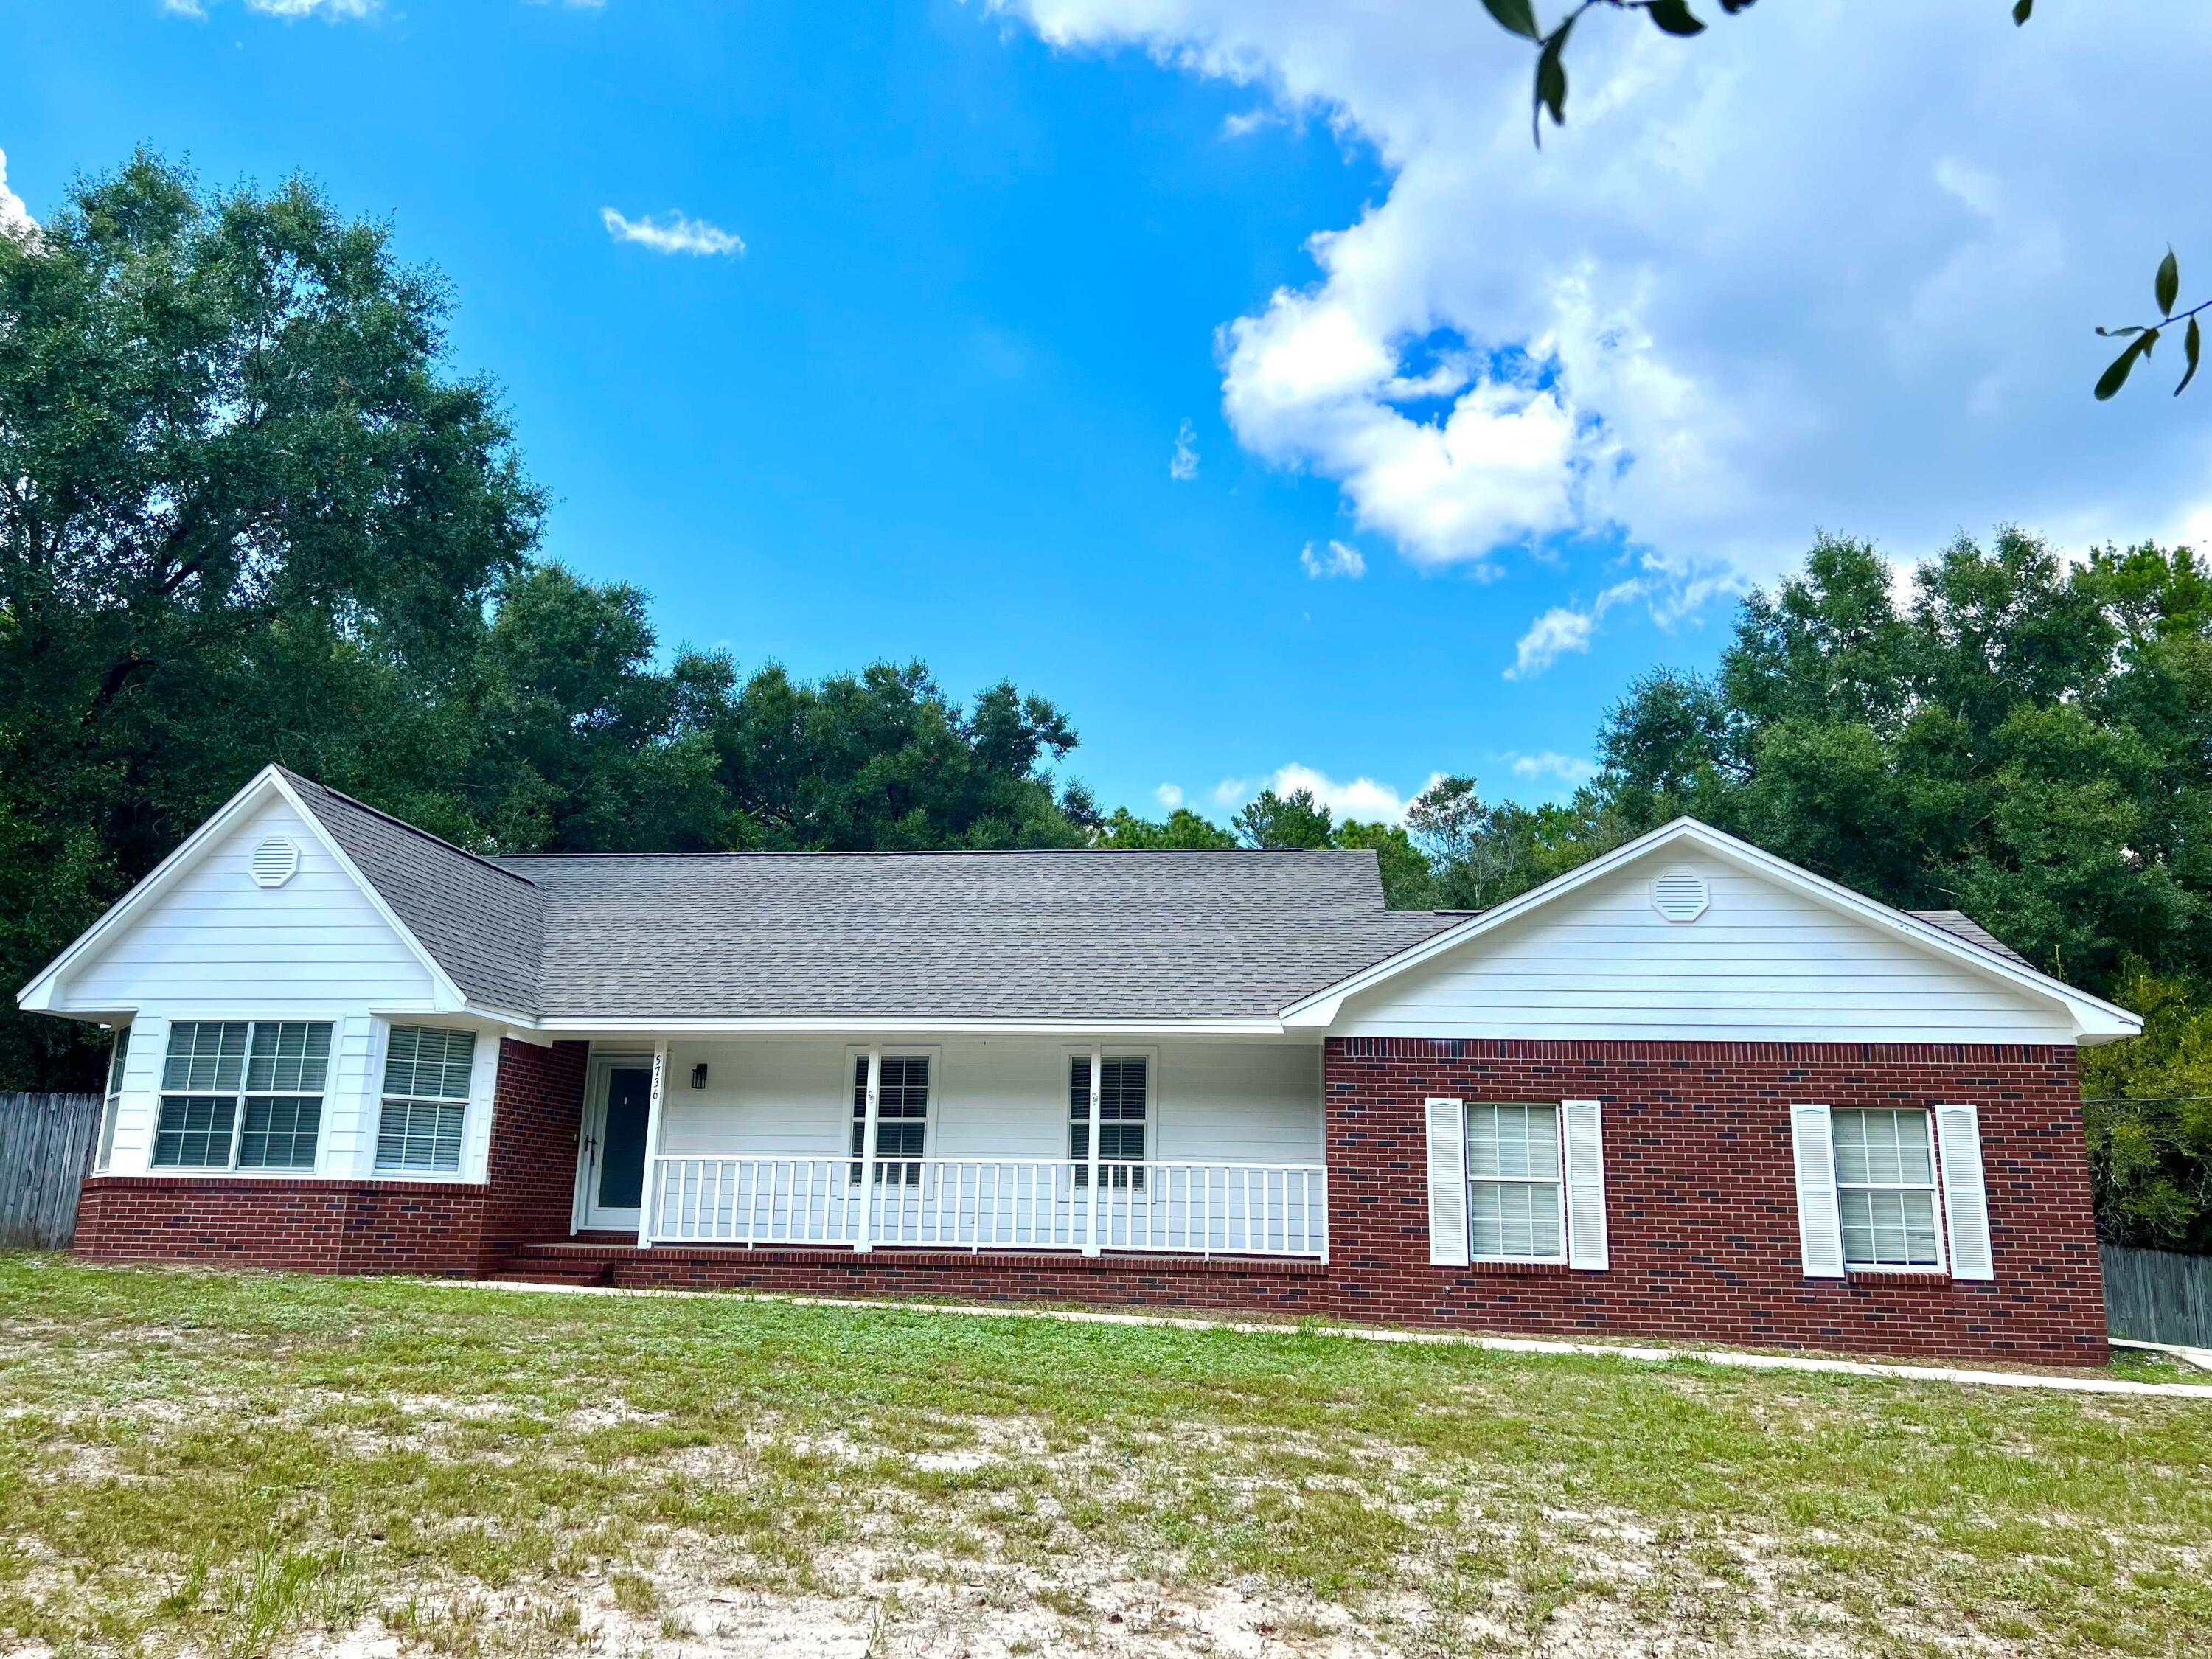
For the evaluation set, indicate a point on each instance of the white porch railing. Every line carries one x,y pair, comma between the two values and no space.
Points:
992,1204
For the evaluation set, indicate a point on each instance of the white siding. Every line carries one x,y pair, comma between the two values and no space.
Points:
216,944
1763,964
1249,1102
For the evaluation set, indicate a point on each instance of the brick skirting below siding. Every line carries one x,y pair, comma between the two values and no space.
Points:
286,1225
1288,1287
1701,1200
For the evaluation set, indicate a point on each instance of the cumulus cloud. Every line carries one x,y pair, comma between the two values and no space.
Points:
1337,559
1183,464
1832,264
673,234
1168,795
1568,770
14,218
1361,798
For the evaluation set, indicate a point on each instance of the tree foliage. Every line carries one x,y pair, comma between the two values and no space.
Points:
2026,740
247,514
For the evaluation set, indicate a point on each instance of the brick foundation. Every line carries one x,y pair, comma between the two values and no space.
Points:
1291,1288
297,1225
283,1225
1701,1200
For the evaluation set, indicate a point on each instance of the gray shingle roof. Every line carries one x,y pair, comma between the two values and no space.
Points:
484,926
1215,934
1225,934
1032,935
1959,924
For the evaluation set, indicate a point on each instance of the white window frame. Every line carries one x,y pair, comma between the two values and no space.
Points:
932,1107
1934,1187
111,1105
1470,1181
377,1095
1073,1052
239,1096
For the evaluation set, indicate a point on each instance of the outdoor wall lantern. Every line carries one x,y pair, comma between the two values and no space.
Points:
699,1075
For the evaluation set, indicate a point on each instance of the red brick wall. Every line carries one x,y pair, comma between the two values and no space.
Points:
292,1225
537,1116
1701,1200
1281,1287
355,1227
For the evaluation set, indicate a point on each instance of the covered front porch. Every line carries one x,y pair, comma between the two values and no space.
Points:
1187,1146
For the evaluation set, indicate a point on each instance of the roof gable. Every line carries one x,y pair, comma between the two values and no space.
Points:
1695,959
327,927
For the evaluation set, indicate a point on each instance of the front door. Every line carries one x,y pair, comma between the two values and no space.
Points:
612,1168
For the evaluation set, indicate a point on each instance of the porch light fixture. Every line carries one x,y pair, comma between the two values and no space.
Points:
699,1075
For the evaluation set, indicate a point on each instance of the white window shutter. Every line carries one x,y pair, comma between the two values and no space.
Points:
1820,1230
1965,1197
1584,1138
1447,1183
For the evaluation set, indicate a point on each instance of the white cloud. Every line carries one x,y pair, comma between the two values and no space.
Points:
1183,464
1832,264
1362,798
1568,770
1168,795
1245,123
674,234
1550,636
289,10
1338,559
14,218
1563,629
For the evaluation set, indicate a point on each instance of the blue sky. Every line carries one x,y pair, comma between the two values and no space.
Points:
1479,435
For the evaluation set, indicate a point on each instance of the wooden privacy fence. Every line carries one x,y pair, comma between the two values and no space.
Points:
46,1144
2154,1296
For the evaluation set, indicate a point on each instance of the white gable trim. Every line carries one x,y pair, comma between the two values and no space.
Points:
39,995
2094,1019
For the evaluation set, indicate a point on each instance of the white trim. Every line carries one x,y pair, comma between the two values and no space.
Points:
2095,1020
648,1191
592,1136
38,996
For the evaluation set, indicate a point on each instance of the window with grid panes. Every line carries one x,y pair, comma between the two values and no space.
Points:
1124,1107
902,1115
427,1072
242,1094
1884,1187
1513,1183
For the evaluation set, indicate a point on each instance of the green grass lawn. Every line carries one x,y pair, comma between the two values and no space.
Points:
277,1466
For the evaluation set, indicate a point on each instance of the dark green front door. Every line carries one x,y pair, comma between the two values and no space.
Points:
621,1137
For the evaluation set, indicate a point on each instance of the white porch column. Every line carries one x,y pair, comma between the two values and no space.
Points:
863,1236
1090,1245
648,1203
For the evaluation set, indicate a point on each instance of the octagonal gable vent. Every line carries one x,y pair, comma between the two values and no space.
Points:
1680,894
275,861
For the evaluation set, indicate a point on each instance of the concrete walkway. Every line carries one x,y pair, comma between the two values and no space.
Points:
2059,1383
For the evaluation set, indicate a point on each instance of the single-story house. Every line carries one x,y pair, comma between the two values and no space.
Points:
1688,1089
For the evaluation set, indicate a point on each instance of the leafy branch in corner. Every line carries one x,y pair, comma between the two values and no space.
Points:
2166,289
1519,17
